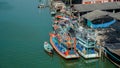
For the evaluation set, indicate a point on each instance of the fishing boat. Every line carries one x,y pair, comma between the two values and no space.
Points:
41,6
62,49
48,48
112,46
61,38
53,12
113,53
86,43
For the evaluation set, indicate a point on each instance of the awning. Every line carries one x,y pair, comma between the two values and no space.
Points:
102,6
94,14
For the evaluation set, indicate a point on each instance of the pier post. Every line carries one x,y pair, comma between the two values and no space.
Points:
113,11
100,51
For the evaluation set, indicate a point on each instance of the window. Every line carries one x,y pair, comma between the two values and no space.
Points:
98,2
88,2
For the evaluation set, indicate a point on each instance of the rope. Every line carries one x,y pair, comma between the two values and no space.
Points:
112,55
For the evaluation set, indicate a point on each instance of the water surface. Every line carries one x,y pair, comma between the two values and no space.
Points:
23,29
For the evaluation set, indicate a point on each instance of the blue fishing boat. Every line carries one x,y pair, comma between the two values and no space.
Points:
86,43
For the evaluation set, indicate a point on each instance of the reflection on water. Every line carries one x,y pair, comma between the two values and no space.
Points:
85,63
5,5
91,61
80,63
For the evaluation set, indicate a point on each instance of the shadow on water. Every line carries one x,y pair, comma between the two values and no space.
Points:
49,54
40,0
5,5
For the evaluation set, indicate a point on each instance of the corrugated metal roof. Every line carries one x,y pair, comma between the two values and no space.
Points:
115,15
94,14
102,6
118,3
98,13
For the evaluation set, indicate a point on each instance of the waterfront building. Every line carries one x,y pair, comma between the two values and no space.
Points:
89,1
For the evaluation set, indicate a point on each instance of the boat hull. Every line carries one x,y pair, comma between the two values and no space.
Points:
110,54
50,52
88,56
80,49
48,48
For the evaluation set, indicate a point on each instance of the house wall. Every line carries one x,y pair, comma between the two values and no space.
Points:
97,1
89,1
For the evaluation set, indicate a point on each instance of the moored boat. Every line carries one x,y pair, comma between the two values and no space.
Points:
53,12
112,48
86,52
48,48
86,44
62,49
111,43
113,54
42,6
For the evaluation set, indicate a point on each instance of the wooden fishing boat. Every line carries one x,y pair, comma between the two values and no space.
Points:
111,43
113,54
112,47
62,49
48,48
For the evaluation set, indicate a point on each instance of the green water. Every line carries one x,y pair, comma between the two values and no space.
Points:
23,29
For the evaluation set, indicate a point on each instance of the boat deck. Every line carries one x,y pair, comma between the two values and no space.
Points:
61,50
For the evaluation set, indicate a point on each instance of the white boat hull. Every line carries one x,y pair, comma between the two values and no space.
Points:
88,56
48,48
